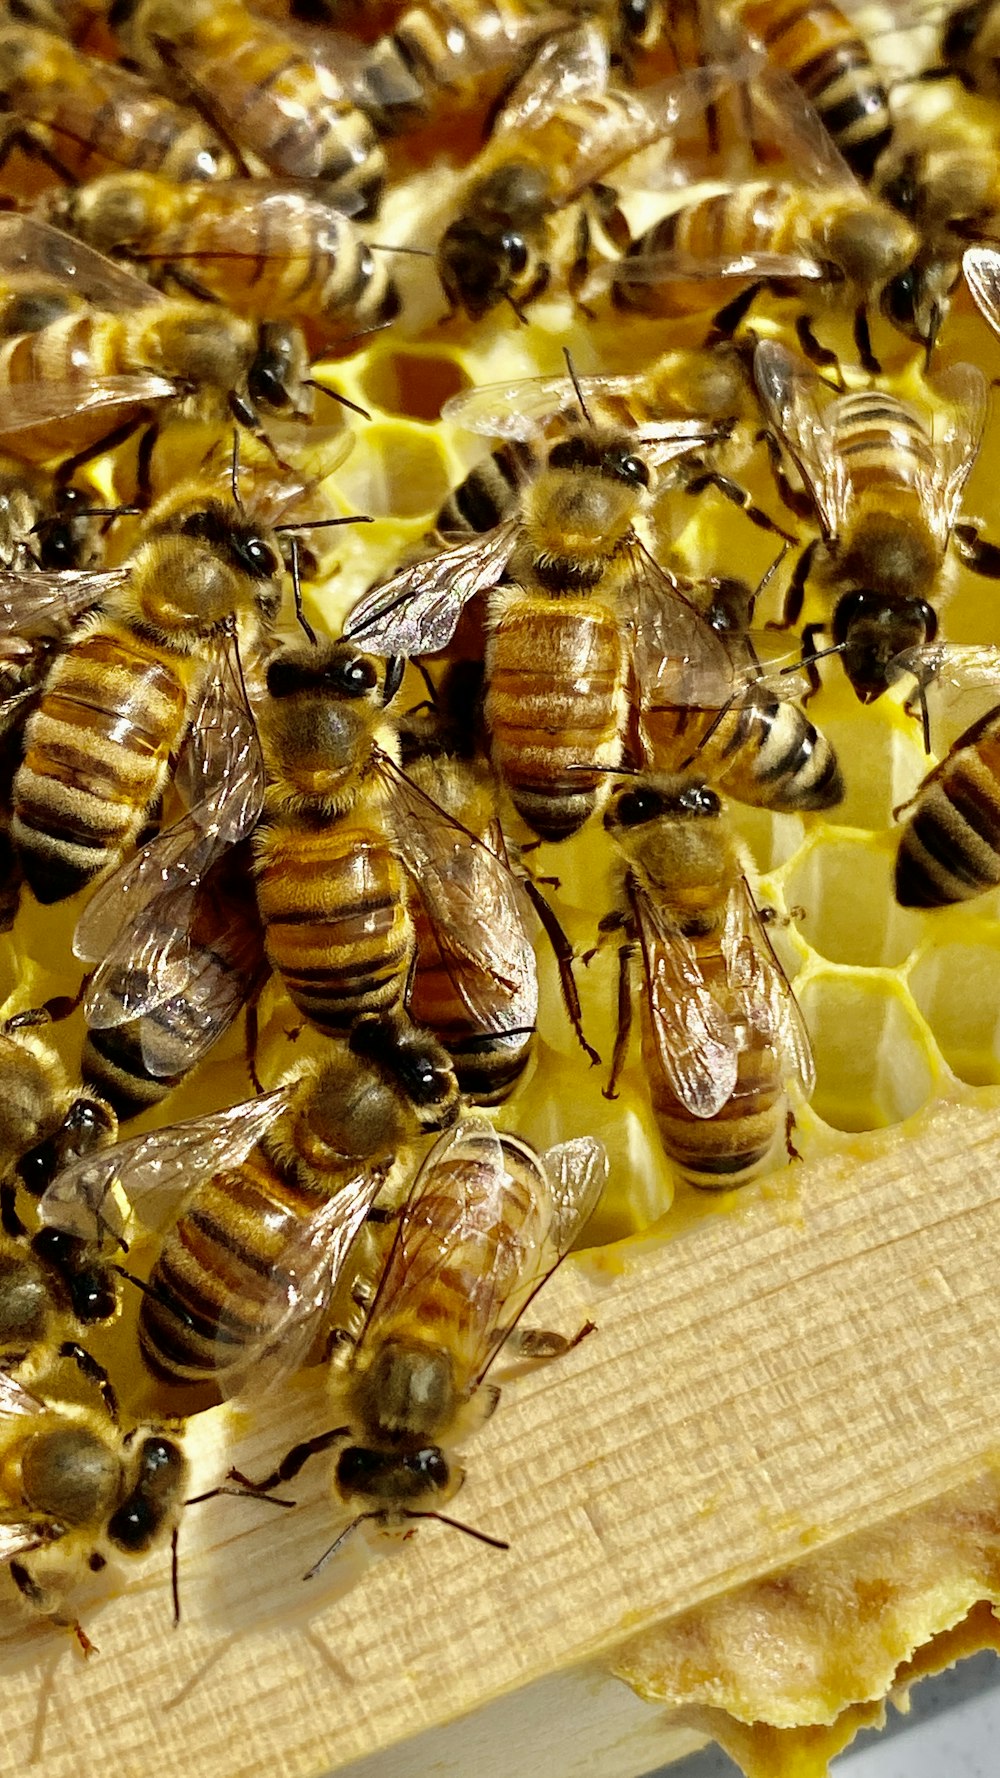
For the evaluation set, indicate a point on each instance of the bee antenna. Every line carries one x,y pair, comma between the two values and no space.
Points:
314,383
234,471
937,316
297,593
768,575
574,379
386,247
339,1542
175,1578
352,518
496,1543
820,654
515,305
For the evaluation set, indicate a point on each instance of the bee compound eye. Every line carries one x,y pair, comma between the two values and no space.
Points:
698,800
627,467
636,806
257,558
515,250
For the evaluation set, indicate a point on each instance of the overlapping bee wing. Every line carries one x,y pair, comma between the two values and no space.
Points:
16,1402
695,1040
957,437
417,610
570,65
28,244
789,391
761,987
678,657
153,1173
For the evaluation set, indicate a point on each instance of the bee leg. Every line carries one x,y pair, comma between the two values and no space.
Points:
795,596
50,1012
611,216
740,496
863,341
624,1031
251,1035
797,500
725,323
29,1588
579,268
982,558
793,1153
816,354
606,927
186,282
95,1373
293,1461
109,442
539,1345
809,635
562,950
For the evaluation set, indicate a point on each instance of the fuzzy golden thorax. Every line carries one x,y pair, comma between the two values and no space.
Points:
201,566
677,846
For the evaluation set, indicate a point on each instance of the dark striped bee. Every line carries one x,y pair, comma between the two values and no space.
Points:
887,484
271,251
77,1492
486,1222
577,610
722,1035
263,1202
81,116
264,88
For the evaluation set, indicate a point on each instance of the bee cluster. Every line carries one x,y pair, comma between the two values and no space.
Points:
381,802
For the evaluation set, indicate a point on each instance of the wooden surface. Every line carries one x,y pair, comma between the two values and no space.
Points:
770,1382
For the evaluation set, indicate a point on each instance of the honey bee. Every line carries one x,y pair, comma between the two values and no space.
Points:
970,47
488,1024
76,1492
264,88
722,1034
348,846
159,670
76,386
583,613
887,484
486,1222
562,130
264,1202
815,227
271,251
762,749
82,116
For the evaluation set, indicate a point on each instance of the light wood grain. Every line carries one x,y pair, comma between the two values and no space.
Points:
767,1384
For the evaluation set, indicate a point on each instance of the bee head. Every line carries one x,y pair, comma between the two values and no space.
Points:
277,379
480,263
872,630
158,1477
395,1479
323,707
417,1069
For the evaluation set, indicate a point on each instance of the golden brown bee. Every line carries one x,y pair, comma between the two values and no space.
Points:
82,116
887,484
73,387
949,849
265,1200
486,1020
823,51
486,1221
270,251
157,671
813,227
263,87
721,1032
348,844
762,749
577,610
75,1492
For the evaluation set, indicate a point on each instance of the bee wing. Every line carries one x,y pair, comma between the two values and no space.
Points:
27,405
762,988
665,267
981,266
16,1402
417,611
301,1285
570,65
521,409
18,1538
496,1239
697,1047
471,899
957,438
221,774
678,657
578,1173
29,245
40,602
788,391
154,1171
782,117
962,666
217,981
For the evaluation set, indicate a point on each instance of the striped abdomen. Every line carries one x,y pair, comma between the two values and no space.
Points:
446,47
488,1063
727,1150
216,1280
745,220
555,672
338,930
97,753
949,849
820,48
885,449
101,117
77,350
767,754
490,491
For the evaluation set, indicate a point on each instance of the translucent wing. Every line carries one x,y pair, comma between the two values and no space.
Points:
783,118
40,602
679,659
578,1173
957,438
788,390
417,611
16,1402
300,1288
481,1210
19,1538
471,899
669,266
153,1172
981,266
27,405
570,65
221,775
761,988
965,666
697,1046
29,245
521,410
